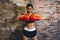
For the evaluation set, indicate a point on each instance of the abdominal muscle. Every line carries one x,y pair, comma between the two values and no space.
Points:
30,26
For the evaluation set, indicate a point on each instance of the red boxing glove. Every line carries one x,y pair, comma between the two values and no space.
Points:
35,17
21,18
29,18
26,17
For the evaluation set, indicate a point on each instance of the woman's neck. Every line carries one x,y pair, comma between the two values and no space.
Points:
29,12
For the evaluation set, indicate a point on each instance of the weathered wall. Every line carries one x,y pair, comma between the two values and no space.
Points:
48,29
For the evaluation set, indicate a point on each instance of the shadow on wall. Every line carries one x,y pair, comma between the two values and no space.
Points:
17,34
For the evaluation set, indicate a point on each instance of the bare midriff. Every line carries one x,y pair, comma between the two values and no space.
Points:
30,26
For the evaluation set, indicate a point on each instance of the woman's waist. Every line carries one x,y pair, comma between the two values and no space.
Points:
29,29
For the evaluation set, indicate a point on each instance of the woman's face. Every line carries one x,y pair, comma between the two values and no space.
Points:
29,9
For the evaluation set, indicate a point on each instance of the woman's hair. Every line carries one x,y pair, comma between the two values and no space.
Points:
29,4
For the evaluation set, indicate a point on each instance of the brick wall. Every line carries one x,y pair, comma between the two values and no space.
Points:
48,28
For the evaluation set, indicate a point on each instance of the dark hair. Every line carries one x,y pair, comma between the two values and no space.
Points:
29,5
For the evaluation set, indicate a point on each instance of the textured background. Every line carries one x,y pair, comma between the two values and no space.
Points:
48,29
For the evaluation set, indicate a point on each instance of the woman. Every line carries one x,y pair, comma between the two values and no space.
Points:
29,30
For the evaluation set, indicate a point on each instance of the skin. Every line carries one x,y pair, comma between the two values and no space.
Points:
29,11
30,25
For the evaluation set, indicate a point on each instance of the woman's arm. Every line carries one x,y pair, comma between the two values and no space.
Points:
17,19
